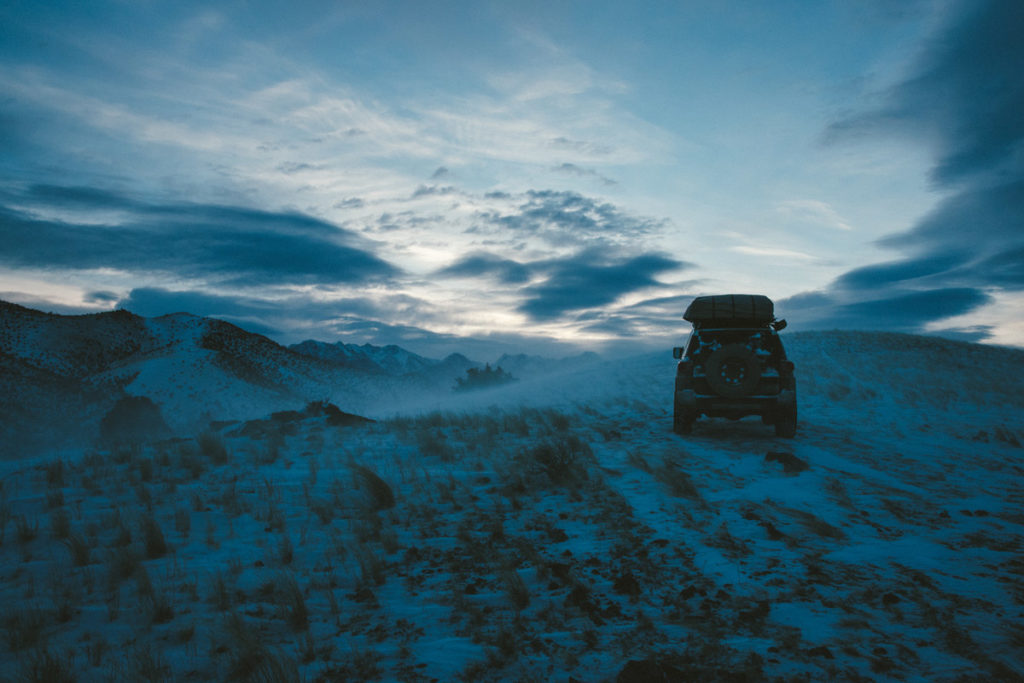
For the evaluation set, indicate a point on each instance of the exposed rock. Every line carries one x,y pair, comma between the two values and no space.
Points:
790,463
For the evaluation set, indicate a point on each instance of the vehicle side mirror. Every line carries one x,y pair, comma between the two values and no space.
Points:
677,352
779,325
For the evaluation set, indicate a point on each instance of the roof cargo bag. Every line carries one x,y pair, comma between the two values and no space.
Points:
754,308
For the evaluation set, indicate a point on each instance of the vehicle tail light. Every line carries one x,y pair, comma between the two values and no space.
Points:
786,367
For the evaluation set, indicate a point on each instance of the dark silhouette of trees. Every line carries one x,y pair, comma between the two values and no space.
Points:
482,378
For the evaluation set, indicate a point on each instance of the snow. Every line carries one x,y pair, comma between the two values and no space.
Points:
546,529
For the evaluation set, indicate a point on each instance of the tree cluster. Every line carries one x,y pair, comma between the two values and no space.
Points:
481,378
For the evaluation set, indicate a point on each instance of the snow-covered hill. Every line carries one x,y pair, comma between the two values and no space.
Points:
549,529
64,373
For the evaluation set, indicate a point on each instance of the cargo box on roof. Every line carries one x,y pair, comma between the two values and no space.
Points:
730,308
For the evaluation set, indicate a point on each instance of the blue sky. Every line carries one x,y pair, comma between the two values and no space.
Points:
541,177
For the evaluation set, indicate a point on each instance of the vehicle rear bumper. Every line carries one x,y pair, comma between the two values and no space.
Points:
716,406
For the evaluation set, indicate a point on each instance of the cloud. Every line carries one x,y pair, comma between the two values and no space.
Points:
490,265
587,279
100,297
285,318
567,218
591,279
814,212
579,171
773,253
74,228
902,312
881,275
648,323
427,190
580,146
982,219
966,92
965,95
359,320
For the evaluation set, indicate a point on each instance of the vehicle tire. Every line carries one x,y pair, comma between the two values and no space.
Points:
684,412
682,424
733,371
785,423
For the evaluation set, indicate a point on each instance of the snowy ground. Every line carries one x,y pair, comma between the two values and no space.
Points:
549,530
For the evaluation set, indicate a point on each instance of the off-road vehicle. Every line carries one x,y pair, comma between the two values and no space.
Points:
734,365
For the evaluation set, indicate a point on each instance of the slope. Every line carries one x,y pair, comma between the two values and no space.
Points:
549,529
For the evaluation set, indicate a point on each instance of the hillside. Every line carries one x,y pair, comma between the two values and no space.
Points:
549,529
63,374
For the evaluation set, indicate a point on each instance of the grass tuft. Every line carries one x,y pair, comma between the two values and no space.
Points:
381,497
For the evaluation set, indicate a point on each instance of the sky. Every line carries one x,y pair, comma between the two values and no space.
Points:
516,177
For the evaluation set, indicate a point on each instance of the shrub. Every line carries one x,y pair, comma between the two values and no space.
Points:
26,531
182,522
220,594
79,549
563,459
23,628
60,523
381,497
516,590
161,609
292,602
250,660
153,537
678,482
433,442
122,563
212,447
55,474
133,419
148,665
44,666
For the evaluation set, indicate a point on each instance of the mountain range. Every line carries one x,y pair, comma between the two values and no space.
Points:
61,374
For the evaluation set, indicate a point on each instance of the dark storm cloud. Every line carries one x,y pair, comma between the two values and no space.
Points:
882,274
590,279
913,310
978,220
100,297
566,218
483,264
218,243
966,89
966,96
904,312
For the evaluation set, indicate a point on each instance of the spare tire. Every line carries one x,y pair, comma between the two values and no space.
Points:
733,371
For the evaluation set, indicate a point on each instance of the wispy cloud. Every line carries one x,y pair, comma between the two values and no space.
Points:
773,252
814,212
580,172
965,94
569,218
206,242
